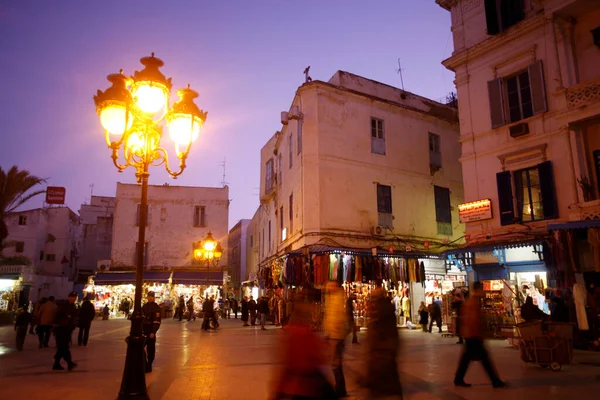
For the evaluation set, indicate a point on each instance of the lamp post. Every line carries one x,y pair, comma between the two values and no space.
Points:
133,112
207,252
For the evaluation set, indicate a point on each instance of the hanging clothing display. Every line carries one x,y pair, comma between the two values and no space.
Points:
406,307
358,262
412,269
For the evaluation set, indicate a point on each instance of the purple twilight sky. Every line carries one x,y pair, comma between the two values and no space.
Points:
245,57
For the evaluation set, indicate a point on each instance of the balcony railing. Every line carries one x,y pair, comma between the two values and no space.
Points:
583,94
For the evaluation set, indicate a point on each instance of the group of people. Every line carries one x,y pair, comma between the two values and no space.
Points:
266,308
60,318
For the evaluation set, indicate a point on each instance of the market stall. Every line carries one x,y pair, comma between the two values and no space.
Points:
112,289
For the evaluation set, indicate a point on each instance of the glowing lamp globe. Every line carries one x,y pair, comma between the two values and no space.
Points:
183,128
142,144
115,119
149,97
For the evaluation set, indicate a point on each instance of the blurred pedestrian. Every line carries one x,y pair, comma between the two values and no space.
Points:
245,311
336,328
234,306
423,316
263,309
252,308
457,303
46,316
190,307
435,315
151,325
473,332
350,315
23,320
302,358
530,312
65,322
180,308
87,313
383,345
36,314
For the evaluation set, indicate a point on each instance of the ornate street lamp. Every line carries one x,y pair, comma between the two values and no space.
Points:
207,252
133,112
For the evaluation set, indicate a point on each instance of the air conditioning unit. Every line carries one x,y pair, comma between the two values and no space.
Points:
519,130
377,230
284,117
103,265
295,113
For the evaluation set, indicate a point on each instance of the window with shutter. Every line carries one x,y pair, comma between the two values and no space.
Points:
538,87
443,211
548,190
496,103
299,134
502,14
505,198
535,193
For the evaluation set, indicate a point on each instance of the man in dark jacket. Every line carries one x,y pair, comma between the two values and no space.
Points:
252,308
245,311
435,314
263,309
23,320
64,324
150,326
87,313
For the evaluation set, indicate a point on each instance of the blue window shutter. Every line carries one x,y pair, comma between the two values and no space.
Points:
496,103
538,88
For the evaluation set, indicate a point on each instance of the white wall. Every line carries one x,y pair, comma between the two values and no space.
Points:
170,233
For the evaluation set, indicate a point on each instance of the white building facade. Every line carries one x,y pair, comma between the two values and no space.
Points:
178,217
528,86
359,166
50,240
238,248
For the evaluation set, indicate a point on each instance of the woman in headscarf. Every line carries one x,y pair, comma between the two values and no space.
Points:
383,344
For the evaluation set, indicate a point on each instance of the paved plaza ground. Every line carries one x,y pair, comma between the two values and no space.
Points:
237,363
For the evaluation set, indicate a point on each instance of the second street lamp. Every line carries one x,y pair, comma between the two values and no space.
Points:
132,112
208,252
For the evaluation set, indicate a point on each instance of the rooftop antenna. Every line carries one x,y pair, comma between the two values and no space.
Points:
224,165
400,72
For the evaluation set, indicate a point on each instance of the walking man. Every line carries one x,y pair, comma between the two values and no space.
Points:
263,308
23,320
87,313
234,306
473,333
66,316
47,313
435,315
337,328
151,324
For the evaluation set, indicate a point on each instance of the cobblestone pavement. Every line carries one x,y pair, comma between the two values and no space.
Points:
237,363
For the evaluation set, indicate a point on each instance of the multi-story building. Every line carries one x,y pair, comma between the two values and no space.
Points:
97,220
528,86
359,165
237,258
48,240
178,217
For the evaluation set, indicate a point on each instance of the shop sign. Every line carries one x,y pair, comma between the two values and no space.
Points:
475,211
55,195
426,245
408,248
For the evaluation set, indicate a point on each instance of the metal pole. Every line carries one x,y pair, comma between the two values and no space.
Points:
133,384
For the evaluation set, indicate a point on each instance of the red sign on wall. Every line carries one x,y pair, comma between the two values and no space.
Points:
55,195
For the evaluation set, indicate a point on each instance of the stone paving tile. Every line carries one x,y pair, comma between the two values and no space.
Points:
239,363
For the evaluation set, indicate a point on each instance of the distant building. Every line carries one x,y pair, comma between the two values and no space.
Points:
178,216
528,84
97,229
237,243
49,238
359,165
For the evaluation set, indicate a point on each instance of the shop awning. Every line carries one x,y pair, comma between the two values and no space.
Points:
494,246
157,277
487,272
10,276
322,249
197,278
114,278
587,223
